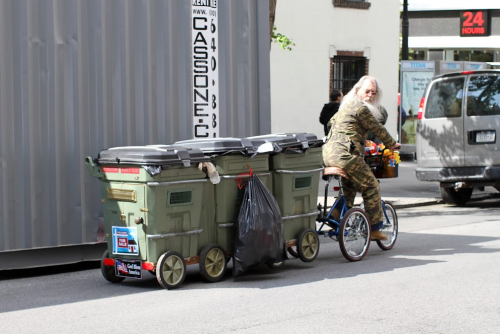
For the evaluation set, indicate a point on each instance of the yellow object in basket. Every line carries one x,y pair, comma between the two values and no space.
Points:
392,155
396,157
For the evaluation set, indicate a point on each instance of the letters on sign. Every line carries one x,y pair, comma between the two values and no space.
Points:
474,23
205,76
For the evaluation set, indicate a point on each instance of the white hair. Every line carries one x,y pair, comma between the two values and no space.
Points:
353,93
379,113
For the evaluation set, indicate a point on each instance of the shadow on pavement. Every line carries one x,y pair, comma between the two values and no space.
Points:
329,265
45,271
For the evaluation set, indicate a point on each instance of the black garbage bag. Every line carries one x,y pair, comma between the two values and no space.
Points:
259,235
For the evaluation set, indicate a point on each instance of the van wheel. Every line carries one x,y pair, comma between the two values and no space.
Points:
457,197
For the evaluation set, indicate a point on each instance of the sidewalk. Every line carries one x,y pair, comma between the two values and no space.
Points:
410,202
399,203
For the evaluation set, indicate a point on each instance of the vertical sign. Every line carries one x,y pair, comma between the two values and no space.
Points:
414,78
205,45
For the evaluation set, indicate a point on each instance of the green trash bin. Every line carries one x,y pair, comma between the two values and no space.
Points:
296,163
233,159
158,213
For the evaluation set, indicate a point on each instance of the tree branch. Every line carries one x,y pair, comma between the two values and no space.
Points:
272,15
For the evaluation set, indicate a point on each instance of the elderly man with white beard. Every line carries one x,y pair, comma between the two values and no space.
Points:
345,148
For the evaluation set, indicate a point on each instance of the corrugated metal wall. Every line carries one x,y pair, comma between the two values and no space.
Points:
80,76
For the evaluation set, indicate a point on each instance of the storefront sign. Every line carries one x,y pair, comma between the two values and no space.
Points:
417,65
450,66
414,78
205,45
470,66
474,23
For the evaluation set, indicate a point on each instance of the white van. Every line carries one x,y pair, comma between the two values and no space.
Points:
457,145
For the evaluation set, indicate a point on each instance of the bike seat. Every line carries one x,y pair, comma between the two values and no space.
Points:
334,171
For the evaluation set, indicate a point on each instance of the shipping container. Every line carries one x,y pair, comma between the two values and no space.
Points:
77,77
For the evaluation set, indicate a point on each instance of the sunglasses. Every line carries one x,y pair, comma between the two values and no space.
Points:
370,91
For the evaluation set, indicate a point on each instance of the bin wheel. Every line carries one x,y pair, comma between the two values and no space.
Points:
213,263
390,228
292,252
308,245
109,271
354,234
171,270
276,265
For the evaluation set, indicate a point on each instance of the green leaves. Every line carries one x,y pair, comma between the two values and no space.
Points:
284,42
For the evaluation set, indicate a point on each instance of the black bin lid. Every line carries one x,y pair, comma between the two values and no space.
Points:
283,141
220,145
159,155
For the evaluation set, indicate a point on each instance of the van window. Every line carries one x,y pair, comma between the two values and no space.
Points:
445,99
483,96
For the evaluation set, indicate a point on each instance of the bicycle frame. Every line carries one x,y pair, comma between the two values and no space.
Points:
387,221
328,219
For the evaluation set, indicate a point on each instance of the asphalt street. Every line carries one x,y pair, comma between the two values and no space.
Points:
441,277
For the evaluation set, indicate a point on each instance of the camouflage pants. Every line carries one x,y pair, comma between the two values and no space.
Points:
361,178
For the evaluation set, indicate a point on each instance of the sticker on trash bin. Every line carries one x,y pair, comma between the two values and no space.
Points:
130,170
125,240
110,169
128,268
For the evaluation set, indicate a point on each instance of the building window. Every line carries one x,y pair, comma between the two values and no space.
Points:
346,72
356,4
417,55
436,54
467,55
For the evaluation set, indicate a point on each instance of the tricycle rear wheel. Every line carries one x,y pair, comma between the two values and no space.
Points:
354,234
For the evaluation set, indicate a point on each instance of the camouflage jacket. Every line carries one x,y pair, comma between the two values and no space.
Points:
351,125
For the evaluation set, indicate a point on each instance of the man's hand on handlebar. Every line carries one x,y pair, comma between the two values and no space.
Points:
396,147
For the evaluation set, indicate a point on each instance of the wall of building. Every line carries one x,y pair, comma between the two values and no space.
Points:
300,78
444,23
77,77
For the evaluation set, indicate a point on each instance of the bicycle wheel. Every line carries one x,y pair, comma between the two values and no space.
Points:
390,228
354,234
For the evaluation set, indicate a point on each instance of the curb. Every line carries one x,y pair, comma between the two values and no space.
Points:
474,198
479,197
416,204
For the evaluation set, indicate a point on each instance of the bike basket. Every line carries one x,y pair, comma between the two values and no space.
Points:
381,166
